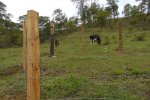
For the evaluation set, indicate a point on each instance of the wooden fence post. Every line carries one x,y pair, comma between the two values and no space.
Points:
4,98
33,56
83,38
52,40
120,29
24,45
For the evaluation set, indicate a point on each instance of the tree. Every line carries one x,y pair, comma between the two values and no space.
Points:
108,10
96,15
10,32
22,18
43,21
59,18
146,3
114,7
3,13
8,16
137,17
2,10
44,25
127,10
88,15
102,17
93,10
81,4
134,10
142,7
72,23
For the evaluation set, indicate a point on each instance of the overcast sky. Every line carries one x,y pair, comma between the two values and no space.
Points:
46,7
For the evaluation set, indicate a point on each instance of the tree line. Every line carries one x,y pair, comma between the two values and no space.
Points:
90,13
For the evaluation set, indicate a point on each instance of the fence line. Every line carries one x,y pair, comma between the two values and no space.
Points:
33,78
89,78
82,99
101,77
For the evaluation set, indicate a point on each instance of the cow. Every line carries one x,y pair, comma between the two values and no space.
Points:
95,38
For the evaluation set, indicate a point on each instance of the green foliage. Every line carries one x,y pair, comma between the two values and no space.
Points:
44,26
69,87
118,71
10,34
106,40
72,23
91,14
2,10
127,10
3,13
60,19
22,18
101,17
114,7
140,71
148,19
4,41
81,5
139,37
145,3
134,10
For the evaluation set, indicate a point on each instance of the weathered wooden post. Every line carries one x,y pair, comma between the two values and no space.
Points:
24,45
33,56
4,98
52,39
83,38
120,29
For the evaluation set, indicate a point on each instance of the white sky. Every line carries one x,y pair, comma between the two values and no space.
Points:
46,7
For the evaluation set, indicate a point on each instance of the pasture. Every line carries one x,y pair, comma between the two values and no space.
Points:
98,72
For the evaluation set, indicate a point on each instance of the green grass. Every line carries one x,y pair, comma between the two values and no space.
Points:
99,72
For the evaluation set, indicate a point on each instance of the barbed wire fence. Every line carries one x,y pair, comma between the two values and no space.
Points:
100,78
12,75
46,78
14,78
15,72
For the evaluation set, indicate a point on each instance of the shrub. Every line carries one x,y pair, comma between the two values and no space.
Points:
107,40
4,41
140,37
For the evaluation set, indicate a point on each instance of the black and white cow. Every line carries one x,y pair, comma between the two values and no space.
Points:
95,38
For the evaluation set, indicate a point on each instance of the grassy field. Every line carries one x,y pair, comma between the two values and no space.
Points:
100,72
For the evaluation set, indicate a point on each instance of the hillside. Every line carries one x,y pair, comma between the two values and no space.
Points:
99,72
